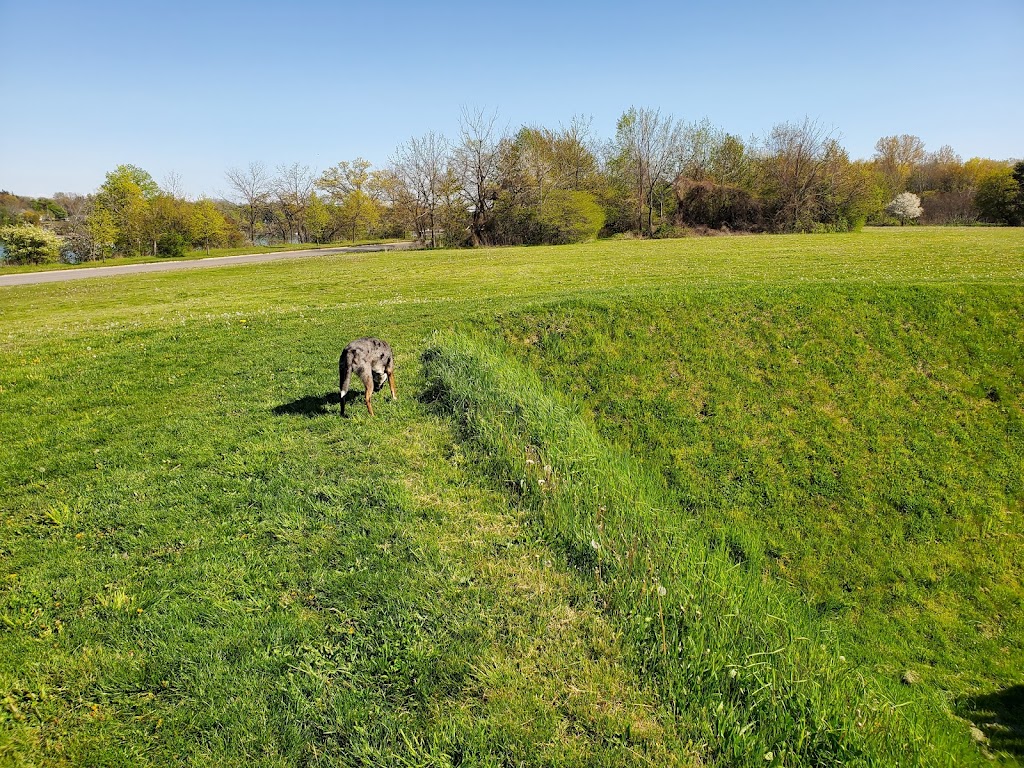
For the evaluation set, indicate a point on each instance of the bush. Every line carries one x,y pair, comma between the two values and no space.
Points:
706,204
570,217
26,244
171,244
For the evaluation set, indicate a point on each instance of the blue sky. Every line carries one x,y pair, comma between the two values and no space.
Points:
194,88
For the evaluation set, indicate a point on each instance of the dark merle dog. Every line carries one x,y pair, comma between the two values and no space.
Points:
372,361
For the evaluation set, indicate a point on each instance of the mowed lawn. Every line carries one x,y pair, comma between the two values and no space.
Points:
201,563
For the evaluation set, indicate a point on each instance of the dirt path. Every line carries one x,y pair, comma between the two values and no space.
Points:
58,275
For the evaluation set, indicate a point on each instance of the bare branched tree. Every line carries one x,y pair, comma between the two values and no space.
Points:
897,157
795,162
422,164
476,160
648,151
292,188
172,185
252,186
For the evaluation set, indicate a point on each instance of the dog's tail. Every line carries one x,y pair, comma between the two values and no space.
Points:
344,376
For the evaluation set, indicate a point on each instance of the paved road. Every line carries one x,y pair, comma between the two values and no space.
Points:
58,275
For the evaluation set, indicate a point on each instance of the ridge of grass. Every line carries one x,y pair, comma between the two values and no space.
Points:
861,444
728,650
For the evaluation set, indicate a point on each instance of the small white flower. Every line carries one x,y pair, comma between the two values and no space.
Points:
662,591
594,545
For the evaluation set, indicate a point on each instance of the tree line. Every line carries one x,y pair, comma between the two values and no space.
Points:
656,177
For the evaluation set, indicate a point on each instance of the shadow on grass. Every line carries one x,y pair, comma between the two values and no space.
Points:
313,405
1000,716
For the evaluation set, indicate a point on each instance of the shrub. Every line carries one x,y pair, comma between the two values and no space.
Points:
29,245
171,244
570,217
706,204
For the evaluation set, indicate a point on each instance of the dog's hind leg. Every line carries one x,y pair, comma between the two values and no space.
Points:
367,378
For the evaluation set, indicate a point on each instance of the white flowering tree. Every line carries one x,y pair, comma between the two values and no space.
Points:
905,207
26,244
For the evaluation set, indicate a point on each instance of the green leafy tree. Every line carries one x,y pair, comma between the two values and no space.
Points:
206,223
351,187
27,244
318,218
126,195
1018,177
998,196
101,233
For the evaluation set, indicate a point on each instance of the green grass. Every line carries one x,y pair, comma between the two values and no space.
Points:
201,562
758,675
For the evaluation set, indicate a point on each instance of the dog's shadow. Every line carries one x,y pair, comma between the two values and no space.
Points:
314,405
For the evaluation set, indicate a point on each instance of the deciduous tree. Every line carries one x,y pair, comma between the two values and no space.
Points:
350,185
998,197
476,160
896,158
905,207
646,151
806,180
291,188
206,223
252,186
423,167
125,195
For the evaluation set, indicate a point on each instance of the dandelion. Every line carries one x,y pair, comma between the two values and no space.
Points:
662,591
594,545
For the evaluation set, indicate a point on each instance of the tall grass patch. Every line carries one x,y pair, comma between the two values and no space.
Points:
732,652
860,443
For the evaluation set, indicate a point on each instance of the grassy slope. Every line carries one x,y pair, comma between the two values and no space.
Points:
861,444
298,577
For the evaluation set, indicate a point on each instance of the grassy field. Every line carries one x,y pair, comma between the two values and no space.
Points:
202,563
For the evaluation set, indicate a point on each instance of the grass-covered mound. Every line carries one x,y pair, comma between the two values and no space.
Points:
864,444
756,672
